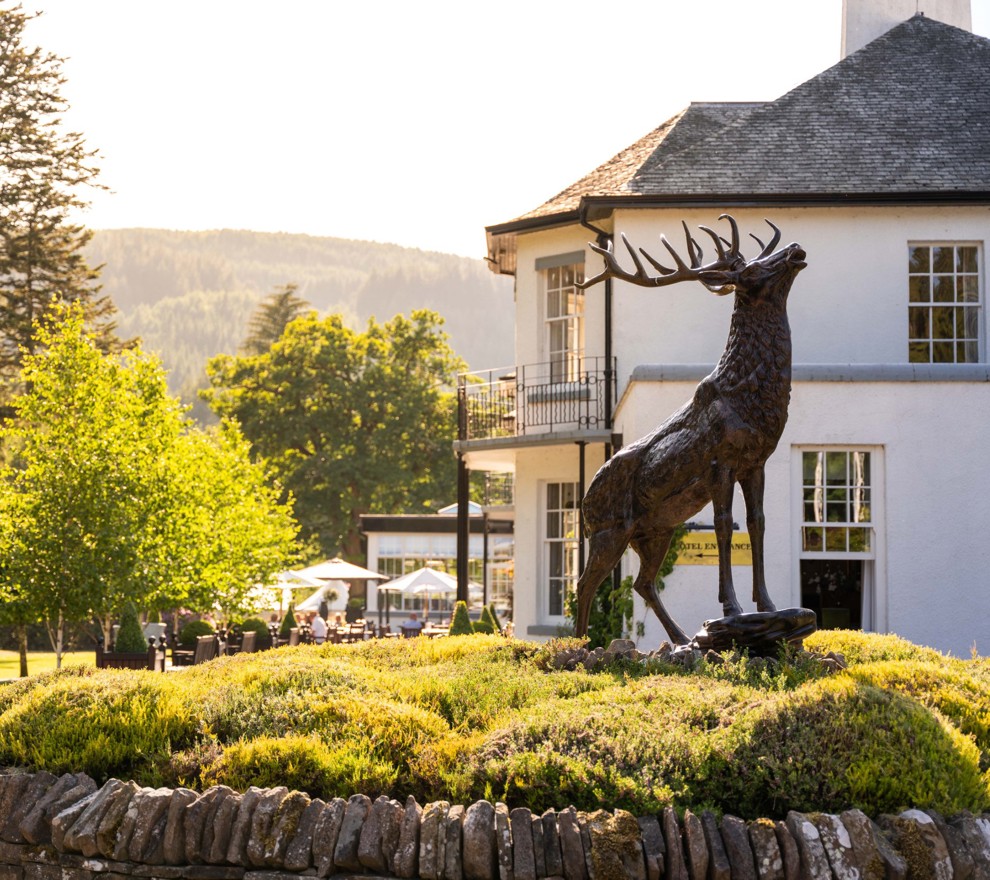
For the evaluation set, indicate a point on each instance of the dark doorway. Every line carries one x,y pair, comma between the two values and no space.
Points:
833,589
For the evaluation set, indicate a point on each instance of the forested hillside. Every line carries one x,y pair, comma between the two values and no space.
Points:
189,295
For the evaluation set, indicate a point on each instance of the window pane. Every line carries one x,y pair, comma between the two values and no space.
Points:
812,462
566,276
835,539
812,539
860,468
967,289
942,259
943,325
919,353
836,467
920,288
970,352
943,353
918,327
945,289
918,259
553,277
859,540
966,259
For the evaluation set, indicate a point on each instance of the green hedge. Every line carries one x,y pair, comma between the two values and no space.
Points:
192,631
475,716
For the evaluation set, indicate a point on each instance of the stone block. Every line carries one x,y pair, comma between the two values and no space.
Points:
718,859
789,852
695,846
571,845
13,787
240,832
158,872
838,847
284,825
371,845
674,864
65,819
539,855
615,845
453,866
913,826
345,854
81,837
963,866
738,849
551,845
877,858
766,851
503,842
174,839
975,832
262,825
36,825
213,872
653,846
480,859
147,840
194,820
216,837
430,865
814,861
37,788
325,834
405,862
299,853
523,857
11,872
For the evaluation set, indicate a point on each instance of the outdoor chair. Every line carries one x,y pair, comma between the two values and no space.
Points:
206,649
249,642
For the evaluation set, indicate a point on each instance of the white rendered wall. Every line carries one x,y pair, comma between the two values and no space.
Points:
933,565
865,20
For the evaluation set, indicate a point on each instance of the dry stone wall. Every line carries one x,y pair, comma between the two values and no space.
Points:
68,828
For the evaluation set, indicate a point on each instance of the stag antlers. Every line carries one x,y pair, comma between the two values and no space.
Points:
729,259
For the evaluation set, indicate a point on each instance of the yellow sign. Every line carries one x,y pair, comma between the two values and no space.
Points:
700,548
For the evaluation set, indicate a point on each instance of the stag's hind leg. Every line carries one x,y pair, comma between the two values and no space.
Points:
605,549
752,487
651,551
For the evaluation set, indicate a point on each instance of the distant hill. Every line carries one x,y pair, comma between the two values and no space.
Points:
189,295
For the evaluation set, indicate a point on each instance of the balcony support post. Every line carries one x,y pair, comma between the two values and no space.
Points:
463,535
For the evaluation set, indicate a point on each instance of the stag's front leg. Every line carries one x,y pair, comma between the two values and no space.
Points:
752,487
651,552
724,486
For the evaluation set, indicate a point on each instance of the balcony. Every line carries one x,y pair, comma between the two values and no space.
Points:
536,400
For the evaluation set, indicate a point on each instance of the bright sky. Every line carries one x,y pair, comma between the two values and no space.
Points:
417,123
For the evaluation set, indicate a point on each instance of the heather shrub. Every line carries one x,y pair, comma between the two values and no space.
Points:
861,647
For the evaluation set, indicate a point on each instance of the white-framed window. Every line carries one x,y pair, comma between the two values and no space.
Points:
564,316
561,542
944,304
839,494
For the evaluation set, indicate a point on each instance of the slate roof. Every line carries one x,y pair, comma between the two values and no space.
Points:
906,115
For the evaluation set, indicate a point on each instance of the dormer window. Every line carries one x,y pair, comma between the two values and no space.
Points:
943,304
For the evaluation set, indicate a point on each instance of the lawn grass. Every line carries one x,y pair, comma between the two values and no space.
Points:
471,717
40,661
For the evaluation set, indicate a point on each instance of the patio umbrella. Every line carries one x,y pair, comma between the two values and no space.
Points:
337,570
429,581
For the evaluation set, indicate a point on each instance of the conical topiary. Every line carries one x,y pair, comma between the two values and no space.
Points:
489,618
460,625
288,622
130,638
490,608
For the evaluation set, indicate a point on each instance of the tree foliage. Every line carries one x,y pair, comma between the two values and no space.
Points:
349,422
111,498
273,314
43,171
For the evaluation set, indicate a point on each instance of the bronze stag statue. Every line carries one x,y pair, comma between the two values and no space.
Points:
722,436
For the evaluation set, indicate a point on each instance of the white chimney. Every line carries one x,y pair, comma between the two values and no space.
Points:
865,20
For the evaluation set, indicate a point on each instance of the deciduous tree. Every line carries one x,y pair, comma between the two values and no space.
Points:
350,422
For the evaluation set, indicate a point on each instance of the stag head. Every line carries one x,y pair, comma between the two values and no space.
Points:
730,272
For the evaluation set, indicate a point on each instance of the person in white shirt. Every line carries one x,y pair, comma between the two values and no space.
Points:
319,629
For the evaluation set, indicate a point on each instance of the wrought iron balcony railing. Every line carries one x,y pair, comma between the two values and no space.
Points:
536,399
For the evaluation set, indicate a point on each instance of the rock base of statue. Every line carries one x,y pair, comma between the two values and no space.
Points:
760,632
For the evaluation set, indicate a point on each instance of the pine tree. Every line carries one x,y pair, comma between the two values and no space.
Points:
43,172
273,314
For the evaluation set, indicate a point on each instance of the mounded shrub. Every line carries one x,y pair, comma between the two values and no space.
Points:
861,647
130,637
460,624
257,625
837,744
192,631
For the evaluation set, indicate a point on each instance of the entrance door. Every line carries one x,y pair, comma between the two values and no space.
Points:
833,589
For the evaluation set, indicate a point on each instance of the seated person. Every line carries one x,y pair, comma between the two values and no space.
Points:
318,627
412,626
